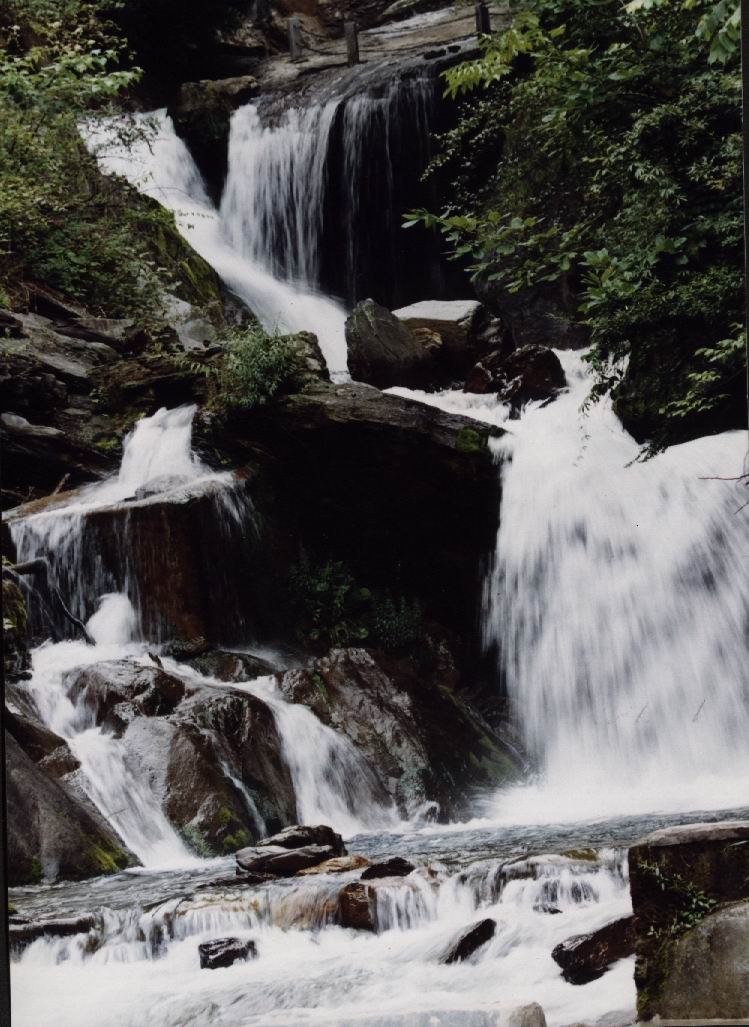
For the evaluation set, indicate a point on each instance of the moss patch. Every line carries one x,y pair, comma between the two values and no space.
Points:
470,441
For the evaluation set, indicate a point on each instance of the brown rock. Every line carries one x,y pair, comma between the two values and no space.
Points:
338,865
467,941
356,907
586,957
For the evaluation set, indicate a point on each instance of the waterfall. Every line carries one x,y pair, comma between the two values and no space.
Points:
91,537
315,195
160,165
618,604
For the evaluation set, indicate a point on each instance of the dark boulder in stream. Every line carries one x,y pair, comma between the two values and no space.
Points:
296,836
383,351
117,691
275,859
468,941
396,866
529,373
586,957
225,952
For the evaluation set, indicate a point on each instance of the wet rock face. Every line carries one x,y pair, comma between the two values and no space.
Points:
51,834
529,373
382,351
395,867
669,869
586,957
218,767
424,744
120,690
225,952
468,941
356,907
464,329
44,747
297,836
21,935
201,114
339,865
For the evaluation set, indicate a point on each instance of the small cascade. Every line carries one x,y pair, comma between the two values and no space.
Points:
315,194
102,538
160,165
342,976
618,605
333,783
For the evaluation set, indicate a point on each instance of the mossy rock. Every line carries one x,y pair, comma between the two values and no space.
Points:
468,440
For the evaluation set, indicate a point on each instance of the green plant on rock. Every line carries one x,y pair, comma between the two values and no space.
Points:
597,157
255,365
332,609
690,904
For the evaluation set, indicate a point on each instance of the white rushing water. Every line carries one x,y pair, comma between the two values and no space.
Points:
161,166
618,605
141,966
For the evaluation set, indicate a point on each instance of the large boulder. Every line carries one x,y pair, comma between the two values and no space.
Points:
527,374
465,329
678,876
424,743
382,351
117,691
44,747
404,491
468,941
586,957
708,969
51,834
296,836
218,769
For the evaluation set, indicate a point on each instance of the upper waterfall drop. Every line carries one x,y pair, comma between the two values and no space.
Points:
160,165
619,607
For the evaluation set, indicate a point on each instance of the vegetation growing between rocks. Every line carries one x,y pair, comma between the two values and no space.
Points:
332,609
691,904
601,160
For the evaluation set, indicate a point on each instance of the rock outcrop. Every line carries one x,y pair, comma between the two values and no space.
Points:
689,886
423,742
586,957
118,691
464,329
51,834
396,866
527,374
382,351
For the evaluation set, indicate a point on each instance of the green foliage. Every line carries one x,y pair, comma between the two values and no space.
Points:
254,366
690,904
602,158
331,609
62,221
196,841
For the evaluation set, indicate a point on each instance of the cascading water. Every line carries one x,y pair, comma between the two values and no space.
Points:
161,166
619,606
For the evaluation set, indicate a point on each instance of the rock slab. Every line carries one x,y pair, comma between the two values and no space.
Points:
225,952
586,957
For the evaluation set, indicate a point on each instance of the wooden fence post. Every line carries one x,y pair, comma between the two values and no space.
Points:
483,20
295,45
351,32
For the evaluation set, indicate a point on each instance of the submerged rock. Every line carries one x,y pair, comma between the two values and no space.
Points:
586,957
296,836
394,867
468,941
339,865
225,952
21,935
